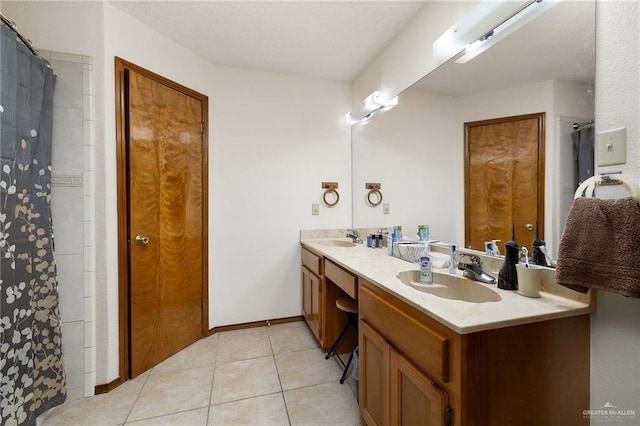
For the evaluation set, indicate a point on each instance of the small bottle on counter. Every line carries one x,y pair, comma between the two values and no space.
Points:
426,266
452,260
374,240
423,233
397,233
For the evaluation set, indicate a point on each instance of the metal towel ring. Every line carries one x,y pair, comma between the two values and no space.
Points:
324,197
330,188
374,192
374,189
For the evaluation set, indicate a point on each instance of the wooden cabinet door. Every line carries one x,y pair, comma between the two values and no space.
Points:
316,311
504,180
306,294
373,353
414,399
311,296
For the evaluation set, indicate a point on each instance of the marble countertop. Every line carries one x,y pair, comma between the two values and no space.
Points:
376,266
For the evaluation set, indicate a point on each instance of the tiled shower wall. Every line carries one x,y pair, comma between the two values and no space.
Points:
72,201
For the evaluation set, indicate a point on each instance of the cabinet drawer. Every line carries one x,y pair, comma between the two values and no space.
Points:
423,346
343,279
312,261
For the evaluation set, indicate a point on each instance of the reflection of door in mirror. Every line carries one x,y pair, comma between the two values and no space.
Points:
504,179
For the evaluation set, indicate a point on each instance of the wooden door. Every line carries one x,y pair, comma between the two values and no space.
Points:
414,399
165,215
373,365
504,180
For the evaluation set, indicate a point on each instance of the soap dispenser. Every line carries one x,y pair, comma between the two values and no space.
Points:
538,256
508,277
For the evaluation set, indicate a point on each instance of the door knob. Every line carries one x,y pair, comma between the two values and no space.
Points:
142,240
529,227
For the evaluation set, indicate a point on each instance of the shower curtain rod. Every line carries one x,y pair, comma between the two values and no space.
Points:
576,126
22,38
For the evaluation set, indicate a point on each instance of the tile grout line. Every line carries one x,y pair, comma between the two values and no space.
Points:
146,379
213,378
284,400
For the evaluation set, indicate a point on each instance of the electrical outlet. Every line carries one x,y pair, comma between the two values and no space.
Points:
315,209
612,147
385,208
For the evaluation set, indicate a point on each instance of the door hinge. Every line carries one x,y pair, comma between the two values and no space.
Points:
448,416
202,127
203,301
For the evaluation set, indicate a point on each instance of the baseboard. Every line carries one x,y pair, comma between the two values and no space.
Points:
108,387
255,324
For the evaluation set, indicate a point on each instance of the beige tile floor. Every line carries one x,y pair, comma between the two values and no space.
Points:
273,375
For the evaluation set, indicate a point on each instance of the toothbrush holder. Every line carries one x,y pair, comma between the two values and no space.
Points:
529,280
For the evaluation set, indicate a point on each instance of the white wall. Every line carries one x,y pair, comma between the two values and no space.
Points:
615,326
412,151
276,139
273,139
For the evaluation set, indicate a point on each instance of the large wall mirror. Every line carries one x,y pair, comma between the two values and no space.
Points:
416,150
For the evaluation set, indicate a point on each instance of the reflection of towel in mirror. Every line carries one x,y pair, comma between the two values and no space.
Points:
600,246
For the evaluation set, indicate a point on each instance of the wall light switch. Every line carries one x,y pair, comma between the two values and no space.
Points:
315,209
385,208
612,147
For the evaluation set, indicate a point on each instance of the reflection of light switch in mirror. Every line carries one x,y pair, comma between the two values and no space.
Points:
315,209
385,208
612,147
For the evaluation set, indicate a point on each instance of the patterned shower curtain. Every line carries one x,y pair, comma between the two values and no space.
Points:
31,366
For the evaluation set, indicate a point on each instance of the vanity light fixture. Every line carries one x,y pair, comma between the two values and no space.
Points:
530,12
481,22
372,105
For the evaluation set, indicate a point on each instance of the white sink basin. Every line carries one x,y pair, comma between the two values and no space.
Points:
451,287
337,243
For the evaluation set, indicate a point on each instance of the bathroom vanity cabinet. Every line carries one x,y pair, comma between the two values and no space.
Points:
414,370
323,282
429,360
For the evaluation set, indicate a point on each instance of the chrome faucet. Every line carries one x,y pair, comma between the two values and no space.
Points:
473,269
354,235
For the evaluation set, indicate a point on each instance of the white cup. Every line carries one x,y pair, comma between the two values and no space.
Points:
529,280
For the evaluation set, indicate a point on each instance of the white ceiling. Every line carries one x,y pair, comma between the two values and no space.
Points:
333,40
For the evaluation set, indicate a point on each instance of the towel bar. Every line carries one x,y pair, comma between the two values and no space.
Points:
588,187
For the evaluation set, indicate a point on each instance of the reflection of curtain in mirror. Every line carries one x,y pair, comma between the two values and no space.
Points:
583,146
31,365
